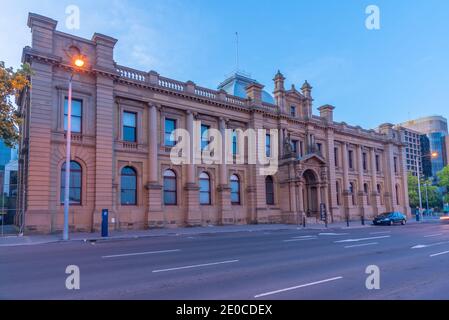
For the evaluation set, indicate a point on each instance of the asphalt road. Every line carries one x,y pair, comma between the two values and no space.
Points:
413,261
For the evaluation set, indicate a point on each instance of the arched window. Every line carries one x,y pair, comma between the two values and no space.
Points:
269,190
337,186
352,190
205,196
170,188
366,190
75,185
379,191
128,187
398,202
235,189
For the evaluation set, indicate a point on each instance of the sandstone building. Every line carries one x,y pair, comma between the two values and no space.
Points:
122,122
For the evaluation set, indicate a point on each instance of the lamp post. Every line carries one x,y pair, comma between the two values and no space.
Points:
79,63
432,156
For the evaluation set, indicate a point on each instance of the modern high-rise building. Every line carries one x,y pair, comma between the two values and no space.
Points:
435,128
416,144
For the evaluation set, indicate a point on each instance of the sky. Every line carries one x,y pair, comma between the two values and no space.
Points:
393,74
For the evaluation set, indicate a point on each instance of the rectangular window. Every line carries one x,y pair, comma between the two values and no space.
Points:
337,160
235,192
204,136
395,163
293,111
365,163
350,159
319,147
301,148
377,163
129,126
77,109
268,145
295,147
170,191
170,127
234,142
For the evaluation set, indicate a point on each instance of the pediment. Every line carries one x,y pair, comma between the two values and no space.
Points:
313,158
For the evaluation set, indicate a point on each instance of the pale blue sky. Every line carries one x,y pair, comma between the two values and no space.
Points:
389,75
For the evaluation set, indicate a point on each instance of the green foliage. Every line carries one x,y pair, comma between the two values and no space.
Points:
443,177
11,85
434,196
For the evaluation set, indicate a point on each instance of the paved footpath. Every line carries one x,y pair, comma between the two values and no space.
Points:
136,234
14,240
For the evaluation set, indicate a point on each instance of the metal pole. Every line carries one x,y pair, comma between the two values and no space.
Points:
427,199
65,235
419,186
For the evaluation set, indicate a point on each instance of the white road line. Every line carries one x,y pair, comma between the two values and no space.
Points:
362,245
196,266
306,239
139,253
332,234
380,232
297,287
421,246
433,235
362,239
439,254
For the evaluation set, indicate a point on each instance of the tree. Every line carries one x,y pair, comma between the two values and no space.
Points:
433,195
443,177
11,85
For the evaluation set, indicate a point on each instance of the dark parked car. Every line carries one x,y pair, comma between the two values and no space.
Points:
390,218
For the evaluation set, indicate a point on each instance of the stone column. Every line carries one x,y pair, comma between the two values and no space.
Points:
390,178
193,217
404,189
360,180
224,191
190,166
155,212
332,205
375,197
347,196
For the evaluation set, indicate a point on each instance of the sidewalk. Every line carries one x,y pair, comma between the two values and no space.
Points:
136,234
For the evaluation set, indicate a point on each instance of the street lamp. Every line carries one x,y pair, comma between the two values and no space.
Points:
433,155
78,62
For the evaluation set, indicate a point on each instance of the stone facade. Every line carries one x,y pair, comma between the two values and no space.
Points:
354,172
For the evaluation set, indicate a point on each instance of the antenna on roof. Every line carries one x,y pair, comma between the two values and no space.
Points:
237,51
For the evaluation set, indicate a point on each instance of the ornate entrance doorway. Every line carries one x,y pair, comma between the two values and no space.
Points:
311,193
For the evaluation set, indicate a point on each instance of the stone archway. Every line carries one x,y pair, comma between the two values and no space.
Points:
311,193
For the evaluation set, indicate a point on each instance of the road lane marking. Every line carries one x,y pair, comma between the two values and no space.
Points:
305,239
439,254
332,234
433,235
297,287
361,239
421,246
362,245
380,232
139,253
195,266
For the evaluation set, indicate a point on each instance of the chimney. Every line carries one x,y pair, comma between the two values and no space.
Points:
104,51
327,112
42,30
254,92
